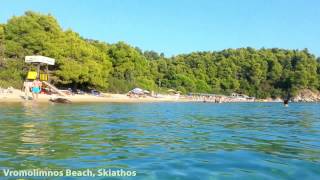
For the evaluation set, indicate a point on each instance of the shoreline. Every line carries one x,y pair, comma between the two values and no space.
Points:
17,96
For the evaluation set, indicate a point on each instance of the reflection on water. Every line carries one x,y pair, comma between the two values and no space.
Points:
162,141
33,133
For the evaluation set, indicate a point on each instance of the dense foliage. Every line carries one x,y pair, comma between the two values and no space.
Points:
87,64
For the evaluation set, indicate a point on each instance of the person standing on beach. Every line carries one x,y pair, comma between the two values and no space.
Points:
27,86
36,88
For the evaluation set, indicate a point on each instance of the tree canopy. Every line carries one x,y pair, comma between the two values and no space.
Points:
91,64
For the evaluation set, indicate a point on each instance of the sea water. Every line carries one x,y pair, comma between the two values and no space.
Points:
164,140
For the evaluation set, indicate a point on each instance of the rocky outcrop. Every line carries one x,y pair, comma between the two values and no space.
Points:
60,100
307,95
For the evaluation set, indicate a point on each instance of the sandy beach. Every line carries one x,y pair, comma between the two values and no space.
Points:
18,96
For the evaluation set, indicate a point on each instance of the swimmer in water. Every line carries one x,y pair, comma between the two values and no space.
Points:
286,102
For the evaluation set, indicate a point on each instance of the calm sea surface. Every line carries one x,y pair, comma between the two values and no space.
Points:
165,140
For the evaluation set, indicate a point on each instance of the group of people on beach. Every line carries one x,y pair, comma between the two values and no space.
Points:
32,86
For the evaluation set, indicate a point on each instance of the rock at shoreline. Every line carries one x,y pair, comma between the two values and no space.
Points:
60,100
307,95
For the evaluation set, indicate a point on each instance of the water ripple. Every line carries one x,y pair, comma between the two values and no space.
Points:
166,140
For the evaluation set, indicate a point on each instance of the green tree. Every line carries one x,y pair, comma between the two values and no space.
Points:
91,64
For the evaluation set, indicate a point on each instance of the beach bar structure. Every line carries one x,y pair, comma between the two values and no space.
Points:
40,61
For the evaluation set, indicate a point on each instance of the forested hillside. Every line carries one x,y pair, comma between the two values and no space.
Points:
87,64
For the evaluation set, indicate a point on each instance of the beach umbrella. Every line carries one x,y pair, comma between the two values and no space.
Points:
137,91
